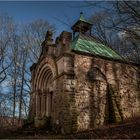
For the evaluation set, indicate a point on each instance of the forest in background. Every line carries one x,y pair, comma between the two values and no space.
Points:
19,49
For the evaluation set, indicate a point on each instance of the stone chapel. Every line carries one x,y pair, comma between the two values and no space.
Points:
81,83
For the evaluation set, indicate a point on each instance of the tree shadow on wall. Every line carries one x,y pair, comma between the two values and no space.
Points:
104,99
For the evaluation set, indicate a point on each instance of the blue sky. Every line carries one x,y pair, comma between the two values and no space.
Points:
55,12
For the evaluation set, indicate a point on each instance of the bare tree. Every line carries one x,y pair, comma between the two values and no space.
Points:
117,24
129,13
7,28
7,35
31,39
18,50
33,35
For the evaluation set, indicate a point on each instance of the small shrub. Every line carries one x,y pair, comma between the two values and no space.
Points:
28,123
43,123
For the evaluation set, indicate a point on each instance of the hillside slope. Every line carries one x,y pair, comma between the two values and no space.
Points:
128,130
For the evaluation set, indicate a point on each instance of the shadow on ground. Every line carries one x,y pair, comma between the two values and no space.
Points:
127,130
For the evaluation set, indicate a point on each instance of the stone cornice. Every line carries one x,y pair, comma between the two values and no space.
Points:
105,58
62,74
66,54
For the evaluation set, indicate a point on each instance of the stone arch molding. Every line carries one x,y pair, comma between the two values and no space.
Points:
46,70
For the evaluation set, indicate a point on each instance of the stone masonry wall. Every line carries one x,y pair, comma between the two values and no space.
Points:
105,91
87,91
63,94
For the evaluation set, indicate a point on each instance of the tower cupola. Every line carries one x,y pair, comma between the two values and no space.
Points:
82,25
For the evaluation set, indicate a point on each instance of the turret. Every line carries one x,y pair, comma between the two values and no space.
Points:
81,26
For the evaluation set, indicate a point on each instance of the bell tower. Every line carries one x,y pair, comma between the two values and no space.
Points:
81,26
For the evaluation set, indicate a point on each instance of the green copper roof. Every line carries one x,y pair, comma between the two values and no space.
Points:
90,45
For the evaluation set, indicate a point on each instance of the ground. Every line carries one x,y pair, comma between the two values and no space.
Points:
127,130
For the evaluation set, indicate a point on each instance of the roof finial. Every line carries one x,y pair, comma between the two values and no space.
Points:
81,16
81,13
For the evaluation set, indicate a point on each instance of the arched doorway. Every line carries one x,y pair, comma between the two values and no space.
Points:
43,84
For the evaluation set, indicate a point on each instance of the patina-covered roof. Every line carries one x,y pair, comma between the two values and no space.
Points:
91,45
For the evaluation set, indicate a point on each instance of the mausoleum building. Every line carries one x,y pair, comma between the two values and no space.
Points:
81,83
